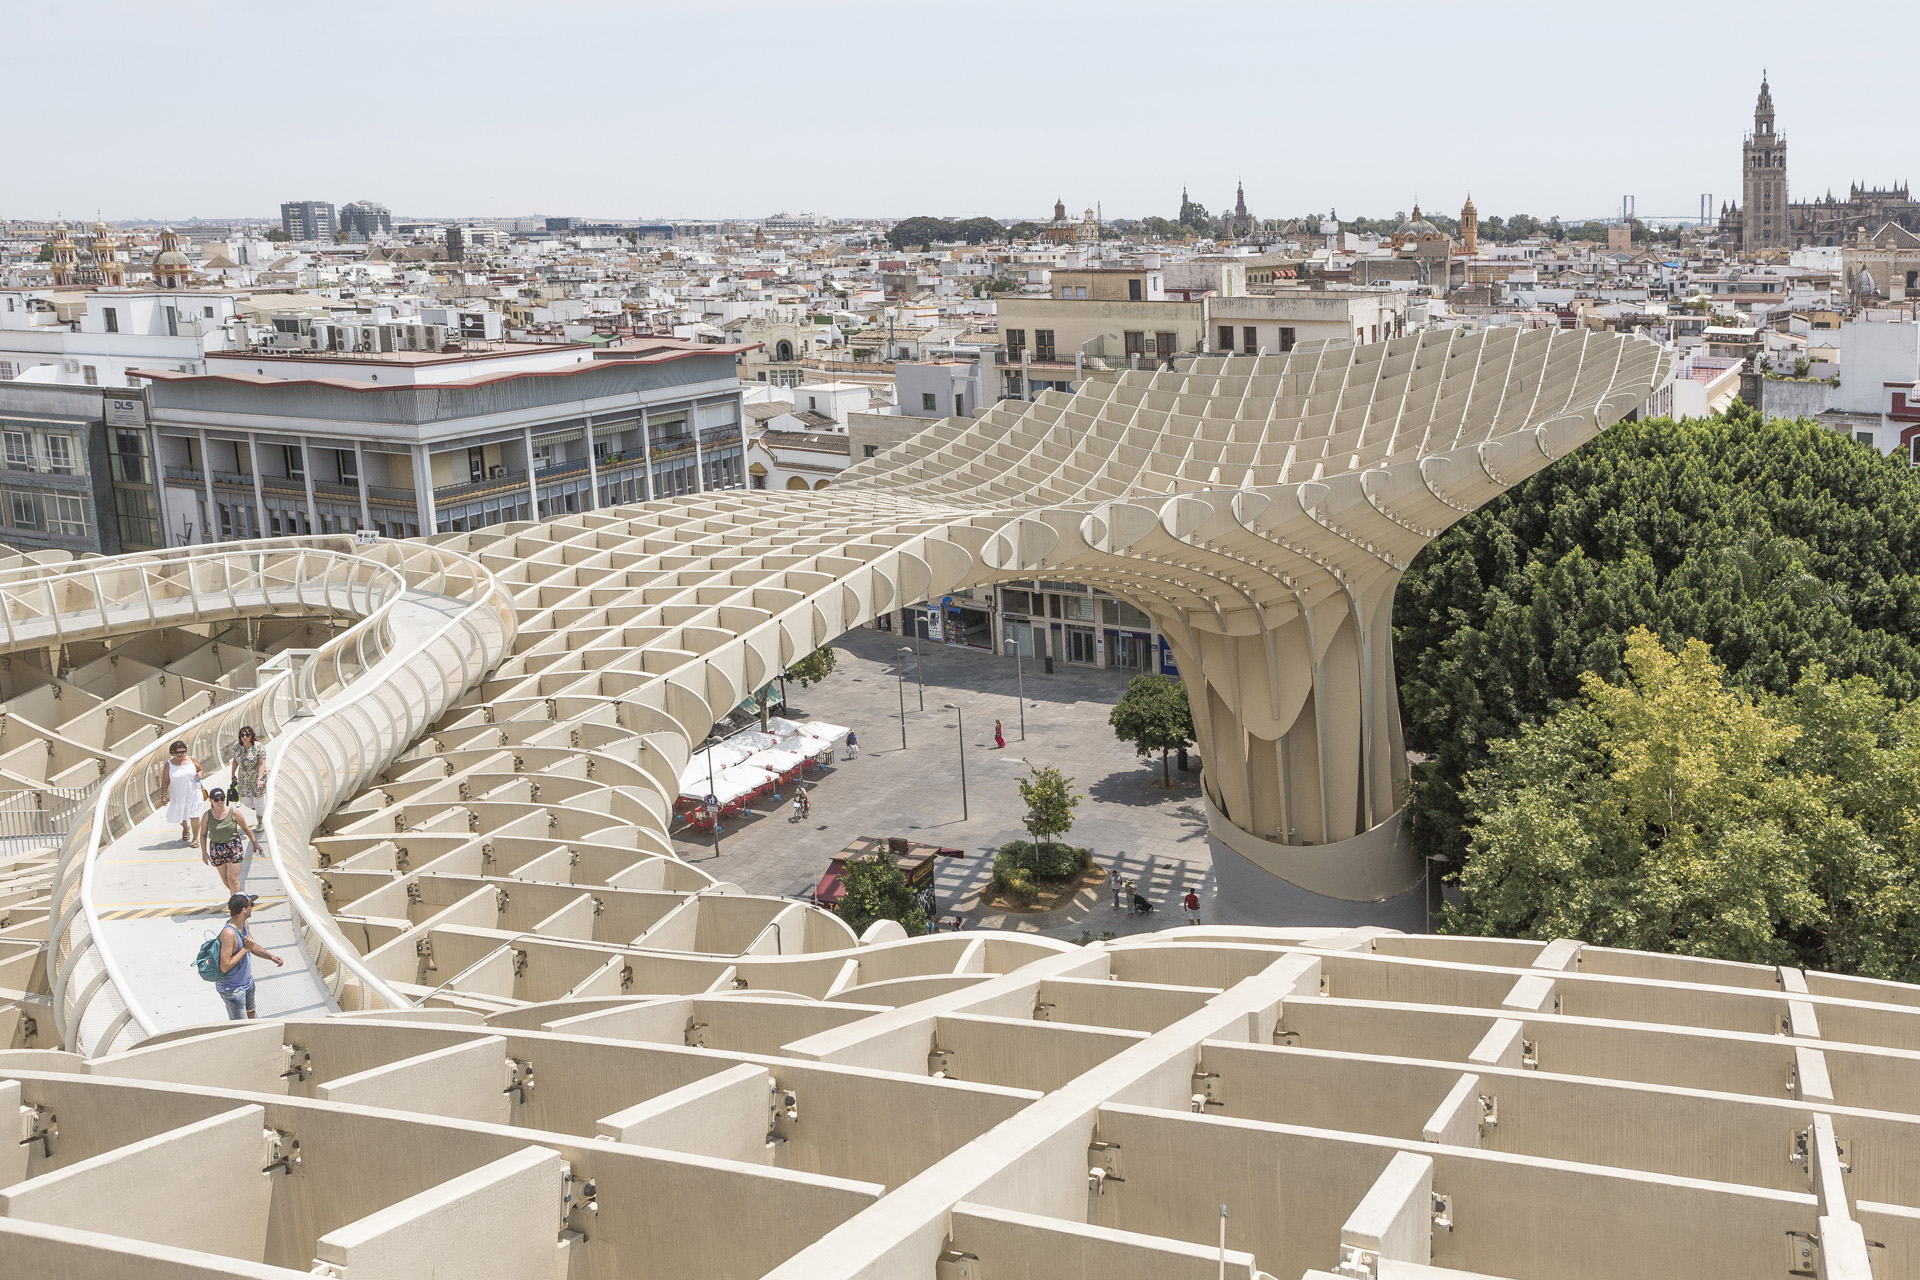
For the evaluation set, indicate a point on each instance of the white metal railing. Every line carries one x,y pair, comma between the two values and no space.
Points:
92,1002
353,737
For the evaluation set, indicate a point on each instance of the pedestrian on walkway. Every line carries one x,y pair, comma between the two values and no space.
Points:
220,836
1192,903
236,946
999,736
185,802
249,770
1116,884
801,805
853,745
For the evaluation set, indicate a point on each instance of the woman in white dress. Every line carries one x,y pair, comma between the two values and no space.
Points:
185,804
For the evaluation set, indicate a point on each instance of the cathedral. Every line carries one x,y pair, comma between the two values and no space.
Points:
1764,219
97,263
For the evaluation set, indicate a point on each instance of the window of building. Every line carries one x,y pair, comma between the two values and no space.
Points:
207,312
1016,342
1863,437
24,508
867,451
1249,339
91,374
173,323
112,317
349,466
813,404
959,405
6,371
1286,339
1133,291
296,462
59,453
1134,343
1165,344
1077,608
927,401
1043,344
476,464
1226,337
67,515
127,456
19,451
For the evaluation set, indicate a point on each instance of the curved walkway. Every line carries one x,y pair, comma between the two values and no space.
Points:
157,902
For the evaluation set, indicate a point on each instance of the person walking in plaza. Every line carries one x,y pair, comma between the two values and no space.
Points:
1192,903
185,803
999,737
220,836
1116,884
249,770
853,745
237,948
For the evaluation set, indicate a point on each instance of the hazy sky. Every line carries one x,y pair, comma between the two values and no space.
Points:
703,108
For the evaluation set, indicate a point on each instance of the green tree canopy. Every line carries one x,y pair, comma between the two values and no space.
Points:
1670,812
876,889
813,668
1050,800
1154,716
1781,545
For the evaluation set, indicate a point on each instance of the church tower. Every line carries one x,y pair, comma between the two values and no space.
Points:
1469,227
66,256
106,256
172,269
1763,215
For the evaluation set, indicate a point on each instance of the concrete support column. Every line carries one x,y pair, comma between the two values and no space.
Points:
360,476
593,469
212,528
699,461
646,452
423,488
740,421
533,484
306,478
259,494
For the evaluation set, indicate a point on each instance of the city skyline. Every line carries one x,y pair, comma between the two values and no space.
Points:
1527,139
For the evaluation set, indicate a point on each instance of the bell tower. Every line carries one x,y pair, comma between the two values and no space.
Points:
1763,215
1469,227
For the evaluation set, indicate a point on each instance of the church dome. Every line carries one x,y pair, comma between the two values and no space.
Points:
170,255
1418,228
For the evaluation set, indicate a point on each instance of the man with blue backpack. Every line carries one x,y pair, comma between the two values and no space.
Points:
224,961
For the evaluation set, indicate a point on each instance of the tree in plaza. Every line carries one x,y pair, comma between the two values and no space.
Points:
1154,716
1050,800
876,889
813,668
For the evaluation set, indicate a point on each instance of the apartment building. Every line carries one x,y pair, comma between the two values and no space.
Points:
308,219
76,470
269,443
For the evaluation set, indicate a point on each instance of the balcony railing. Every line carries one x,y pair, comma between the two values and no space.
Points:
291,485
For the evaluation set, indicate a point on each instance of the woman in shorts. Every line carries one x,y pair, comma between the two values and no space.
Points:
220,838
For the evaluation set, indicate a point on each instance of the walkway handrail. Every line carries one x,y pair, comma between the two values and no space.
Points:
350,581
355,736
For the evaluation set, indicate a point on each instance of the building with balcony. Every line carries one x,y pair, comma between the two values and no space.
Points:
76,470
273,443
308,219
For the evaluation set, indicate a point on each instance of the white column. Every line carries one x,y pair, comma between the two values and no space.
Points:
593,469
740,421
699,462
259,495
306,478
360,475
533,485
646,452
206,477
423,488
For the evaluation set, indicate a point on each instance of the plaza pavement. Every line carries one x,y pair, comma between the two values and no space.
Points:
1157,836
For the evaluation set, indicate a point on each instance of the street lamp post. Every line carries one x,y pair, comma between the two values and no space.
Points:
962,717
1014,640
900,675
1426,888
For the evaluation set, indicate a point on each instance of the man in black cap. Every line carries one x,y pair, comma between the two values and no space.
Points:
236,945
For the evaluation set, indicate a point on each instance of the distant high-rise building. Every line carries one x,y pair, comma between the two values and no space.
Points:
308,219
364,219
456,245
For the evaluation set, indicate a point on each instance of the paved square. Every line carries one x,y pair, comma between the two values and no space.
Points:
1158,836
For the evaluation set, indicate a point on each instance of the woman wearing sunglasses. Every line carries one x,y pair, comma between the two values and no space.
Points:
249,770
220,839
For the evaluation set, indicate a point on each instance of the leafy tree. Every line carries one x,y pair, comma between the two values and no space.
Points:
919,232
979,231
1050,800
1161,229
1023,231
1781,545
813,668
46,252
876,889
1154,716
1671,812
1194,215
